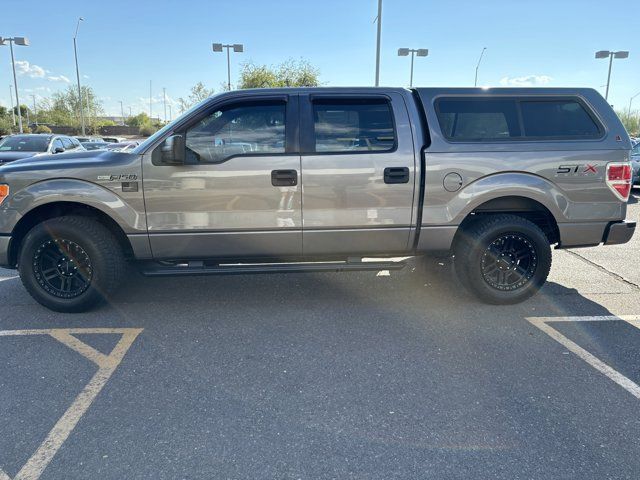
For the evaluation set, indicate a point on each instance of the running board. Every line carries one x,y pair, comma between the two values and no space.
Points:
199,268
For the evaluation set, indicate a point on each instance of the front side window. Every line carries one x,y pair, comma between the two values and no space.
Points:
238,129
478,119
557,118
68,145
353,126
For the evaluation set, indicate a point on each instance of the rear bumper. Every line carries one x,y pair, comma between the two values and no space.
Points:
5,241
619,232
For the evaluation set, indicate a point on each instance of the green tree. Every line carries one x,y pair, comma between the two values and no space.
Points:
631,121
197,94
138,120
291,73
63,108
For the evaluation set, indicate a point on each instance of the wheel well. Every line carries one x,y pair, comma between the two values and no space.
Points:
524,207
59,209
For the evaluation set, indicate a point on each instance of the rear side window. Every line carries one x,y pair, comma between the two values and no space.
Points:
478,119
499,119
68,145
353,125
562,118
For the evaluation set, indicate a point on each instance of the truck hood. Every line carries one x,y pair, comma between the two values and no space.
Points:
63,161
12,156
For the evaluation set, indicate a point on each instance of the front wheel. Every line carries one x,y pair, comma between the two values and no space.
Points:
502,259
70,263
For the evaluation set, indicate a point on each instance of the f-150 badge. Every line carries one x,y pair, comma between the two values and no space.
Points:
119,178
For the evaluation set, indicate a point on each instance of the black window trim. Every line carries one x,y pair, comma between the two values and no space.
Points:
290,102
308,133
602,131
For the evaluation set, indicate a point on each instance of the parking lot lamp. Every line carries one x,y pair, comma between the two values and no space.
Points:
23,41
631,100
611,55
13,113
420,52
75,51
237,48
475,82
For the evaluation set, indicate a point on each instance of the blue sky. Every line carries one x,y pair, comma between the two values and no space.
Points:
124,44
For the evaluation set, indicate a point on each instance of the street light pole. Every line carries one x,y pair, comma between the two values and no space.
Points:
420,52
35,110
378,35
18,41
475,82
75,51
13,112
164,103
631,100
237,48
611,55
122,111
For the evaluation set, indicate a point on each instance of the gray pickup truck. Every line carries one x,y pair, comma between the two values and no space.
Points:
318,179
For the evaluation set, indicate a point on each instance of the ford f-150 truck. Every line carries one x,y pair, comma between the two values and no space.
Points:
316,179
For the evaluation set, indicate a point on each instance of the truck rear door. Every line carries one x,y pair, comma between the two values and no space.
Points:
358,173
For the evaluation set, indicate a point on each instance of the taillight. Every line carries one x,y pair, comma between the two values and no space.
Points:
619,179
4,192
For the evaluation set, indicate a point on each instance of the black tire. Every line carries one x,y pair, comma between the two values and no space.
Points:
502,259
71,264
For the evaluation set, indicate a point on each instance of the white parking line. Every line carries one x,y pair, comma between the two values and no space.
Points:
543,324
8,278
63,427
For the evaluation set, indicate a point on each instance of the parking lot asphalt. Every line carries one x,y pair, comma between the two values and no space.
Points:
313,376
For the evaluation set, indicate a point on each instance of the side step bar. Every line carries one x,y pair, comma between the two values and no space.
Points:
200,268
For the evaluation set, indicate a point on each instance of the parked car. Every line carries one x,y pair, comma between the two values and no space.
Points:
96,145
316,179
122,146
16,147
635,163
88,139
113,139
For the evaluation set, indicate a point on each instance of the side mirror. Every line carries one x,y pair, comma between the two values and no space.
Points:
59,150
173,150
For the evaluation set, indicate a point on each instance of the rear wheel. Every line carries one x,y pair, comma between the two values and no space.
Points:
502,259
70,263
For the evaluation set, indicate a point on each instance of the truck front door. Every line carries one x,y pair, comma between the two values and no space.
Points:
358,170
238,192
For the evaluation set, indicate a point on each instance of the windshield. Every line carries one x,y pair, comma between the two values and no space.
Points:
636,150
24,144
169,127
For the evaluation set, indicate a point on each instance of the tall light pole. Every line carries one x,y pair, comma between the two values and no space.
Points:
13,113
631,100
75,51
35,111
421,52
164,103
611,55
122,111
24,41
237,48
475,82
379,32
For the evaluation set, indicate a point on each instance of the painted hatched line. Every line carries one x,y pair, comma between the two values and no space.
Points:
543,324
107,364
